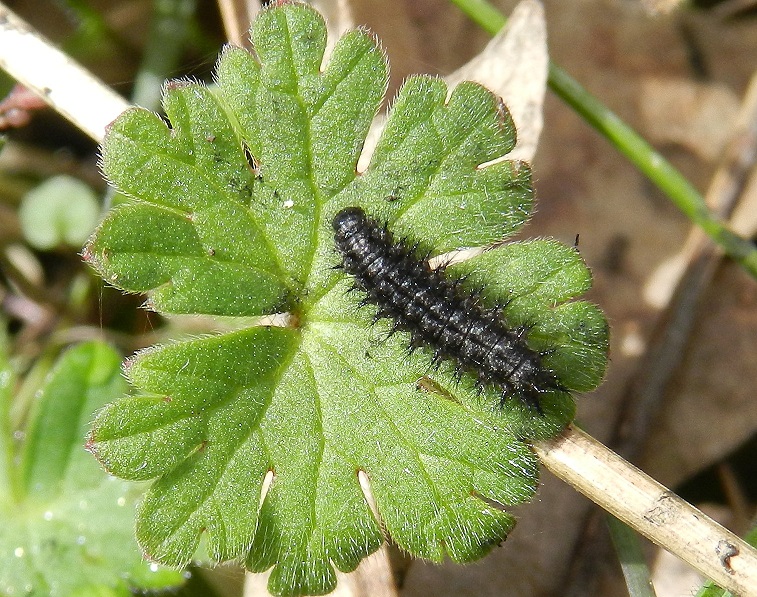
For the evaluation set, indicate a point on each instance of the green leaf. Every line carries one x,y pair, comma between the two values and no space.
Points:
258,439
61,210
534,279
67,525
7,383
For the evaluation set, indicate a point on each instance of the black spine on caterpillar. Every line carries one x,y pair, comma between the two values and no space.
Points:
438,312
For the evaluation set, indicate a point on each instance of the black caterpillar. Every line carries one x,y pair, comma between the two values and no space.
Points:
438,311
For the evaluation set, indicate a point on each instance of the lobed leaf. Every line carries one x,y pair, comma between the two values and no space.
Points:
258,439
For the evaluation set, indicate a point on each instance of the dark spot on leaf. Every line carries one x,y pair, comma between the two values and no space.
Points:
502,111
252,162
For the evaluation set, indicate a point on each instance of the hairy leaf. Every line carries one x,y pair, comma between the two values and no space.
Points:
259,438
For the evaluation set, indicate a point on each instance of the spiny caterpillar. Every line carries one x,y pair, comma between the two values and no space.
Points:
438,311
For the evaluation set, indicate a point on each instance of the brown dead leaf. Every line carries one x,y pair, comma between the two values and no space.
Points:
660,6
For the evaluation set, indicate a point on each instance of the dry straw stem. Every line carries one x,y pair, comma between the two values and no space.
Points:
678,290
60,81
650,508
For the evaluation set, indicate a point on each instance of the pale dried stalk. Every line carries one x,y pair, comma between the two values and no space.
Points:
62,83
698,260
650,508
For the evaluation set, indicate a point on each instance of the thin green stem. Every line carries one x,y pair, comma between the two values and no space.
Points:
631,558
653,165
483,14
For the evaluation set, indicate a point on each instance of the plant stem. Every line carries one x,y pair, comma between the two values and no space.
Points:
631,557
653,165
67,87
481,12
7,385
650,508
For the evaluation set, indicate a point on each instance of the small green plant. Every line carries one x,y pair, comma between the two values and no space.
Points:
61,210
230,216
67,527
